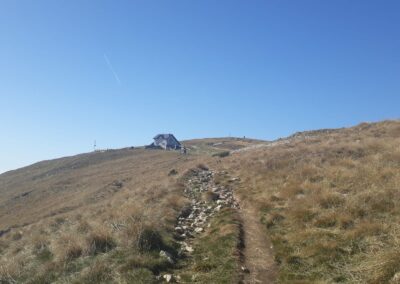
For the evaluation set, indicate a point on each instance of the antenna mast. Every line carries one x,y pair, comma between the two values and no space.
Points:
94,146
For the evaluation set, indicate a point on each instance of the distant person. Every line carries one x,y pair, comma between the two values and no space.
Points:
183,150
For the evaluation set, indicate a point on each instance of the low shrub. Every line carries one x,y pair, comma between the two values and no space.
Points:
222,154
202,167
150,239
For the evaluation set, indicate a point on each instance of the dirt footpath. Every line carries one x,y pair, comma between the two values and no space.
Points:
258,252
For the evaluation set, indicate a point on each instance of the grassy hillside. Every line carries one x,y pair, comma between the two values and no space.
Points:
330,202
77,218
94,218
327,199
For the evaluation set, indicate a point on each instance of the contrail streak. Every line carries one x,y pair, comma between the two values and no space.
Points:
112,69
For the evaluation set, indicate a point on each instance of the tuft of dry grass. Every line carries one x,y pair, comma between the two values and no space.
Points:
97,272
17,236
68,247
100,241
382,268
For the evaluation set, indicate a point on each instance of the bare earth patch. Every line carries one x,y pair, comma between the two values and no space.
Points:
258,251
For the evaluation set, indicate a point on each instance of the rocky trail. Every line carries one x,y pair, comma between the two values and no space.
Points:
195,218
257,259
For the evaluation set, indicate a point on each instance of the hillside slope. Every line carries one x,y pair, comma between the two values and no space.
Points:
329,202
57,186
326,199
63,218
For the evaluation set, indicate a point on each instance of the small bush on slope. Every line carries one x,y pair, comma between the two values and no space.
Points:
221,154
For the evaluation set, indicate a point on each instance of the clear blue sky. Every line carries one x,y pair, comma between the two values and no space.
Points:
122,71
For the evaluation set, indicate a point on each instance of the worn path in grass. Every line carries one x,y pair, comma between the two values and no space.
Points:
258,252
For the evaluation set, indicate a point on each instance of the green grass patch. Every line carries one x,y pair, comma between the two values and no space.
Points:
215,258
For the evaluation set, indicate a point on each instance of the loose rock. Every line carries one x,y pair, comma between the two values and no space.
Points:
167,277
198,230
167,256
197,215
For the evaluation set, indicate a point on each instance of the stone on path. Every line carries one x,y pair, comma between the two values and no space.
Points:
167,277
198,230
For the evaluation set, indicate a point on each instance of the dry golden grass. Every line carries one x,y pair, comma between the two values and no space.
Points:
330,202
68,247
82,213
